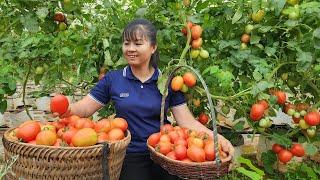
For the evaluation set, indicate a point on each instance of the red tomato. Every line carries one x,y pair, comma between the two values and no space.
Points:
68,134
281,97
284,156
312,118
154,139
28,131
102,137
59,104
166,128
264,103
84,123
47,138
181,141
184,30
180,152
171,155
297,150
164,147
276,148
165,138
196,154
193,141
196,32
58,143
173,136
257,111
120,123
115,134
203,118
189,79
209,152
104,125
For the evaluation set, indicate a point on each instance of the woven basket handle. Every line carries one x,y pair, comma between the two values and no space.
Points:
105,167
215,134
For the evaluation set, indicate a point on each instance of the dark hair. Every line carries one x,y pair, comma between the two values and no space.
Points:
148,30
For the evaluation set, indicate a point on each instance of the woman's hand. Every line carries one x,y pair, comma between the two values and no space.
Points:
64,115
226,146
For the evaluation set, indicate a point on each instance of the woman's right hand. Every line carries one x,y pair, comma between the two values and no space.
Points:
64,115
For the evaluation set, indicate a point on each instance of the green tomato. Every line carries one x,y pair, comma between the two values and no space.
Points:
204,54
46,67
258,16
284,76
303,124
184,88
243,46
292,2
296,115
248,28
264,123
194,53
62,26
293,15
39,70
303,113
291,112
317,68
311,132
261,129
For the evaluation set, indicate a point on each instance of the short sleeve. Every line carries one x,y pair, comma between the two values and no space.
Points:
101,92
176,98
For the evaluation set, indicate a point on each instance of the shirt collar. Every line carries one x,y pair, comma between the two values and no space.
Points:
127,73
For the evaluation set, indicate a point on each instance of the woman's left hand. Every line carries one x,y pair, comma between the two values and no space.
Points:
225,145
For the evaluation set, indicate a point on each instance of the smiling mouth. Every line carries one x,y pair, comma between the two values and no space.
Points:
132,56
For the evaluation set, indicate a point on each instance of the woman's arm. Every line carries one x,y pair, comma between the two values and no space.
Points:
184,118
83,108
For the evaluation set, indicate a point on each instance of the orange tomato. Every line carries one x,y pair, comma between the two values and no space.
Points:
189,79
154,139
85,137
120,123
115,134
176,83
47,138
28,131
196,154
104,125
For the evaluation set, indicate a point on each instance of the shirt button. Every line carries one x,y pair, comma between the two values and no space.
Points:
141,86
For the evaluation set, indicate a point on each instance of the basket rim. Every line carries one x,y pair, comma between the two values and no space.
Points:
206,163
99,145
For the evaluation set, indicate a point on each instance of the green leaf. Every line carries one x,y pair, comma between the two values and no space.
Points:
239,126
316,33
254,39
247,162
264,29
311,149
237,16
281,139
251,174
211,70
309,171
268,158
107,58
105,43
278,5
3,106
66,51
291,23
256,75
304,61
270,51
256,5
162,83
42,12
30,22
261,86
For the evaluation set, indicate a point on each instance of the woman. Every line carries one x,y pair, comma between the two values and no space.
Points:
137,99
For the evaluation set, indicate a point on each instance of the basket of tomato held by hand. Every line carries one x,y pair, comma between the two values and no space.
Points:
187,153
70,148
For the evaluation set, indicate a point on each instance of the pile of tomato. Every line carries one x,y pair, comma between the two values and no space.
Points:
285,155
184,144
72,131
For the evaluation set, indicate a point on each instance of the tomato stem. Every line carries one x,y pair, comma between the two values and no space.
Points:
186,48
24,90
277,68
241,93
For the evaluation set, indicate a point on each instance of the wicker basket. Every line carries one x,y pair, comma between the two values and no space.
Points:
47,162
192,170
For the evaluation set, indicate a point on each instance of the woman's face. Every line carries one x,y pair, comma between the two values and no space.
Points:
138,51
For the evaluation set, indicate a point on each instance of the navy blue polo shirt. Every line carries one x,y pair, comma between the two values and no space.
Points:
139,103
